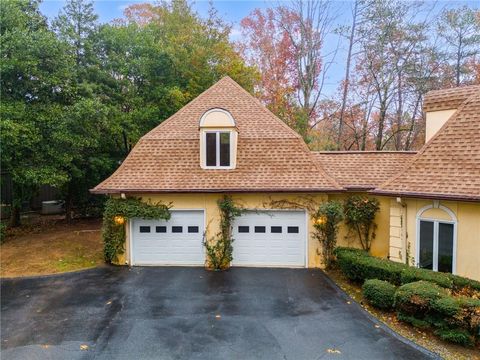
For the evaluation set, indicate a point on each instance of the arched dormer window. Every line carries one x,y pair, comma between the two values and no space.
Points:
218,140
436,238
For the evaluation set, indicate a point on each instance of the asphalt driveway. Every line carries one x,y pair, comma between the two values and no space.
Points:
188,313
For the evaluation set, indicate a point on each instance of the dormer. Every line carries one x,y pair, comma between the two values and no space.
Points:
218,140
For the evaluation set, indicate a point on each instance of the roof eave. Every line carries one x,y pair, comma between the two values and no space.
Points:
433,196
248,190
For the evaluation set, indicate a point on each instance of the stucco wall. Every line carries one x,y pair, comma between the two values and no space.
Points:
380,243
468,232
260,201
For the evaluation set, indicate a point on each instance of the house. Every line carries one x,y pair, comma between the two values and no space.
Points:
226,142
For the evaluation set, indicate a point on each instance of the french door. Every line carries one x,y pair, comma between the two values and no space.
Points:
436,246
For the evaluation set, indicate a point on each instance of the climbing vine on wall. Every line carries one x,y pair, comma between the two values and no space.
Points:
220,249
117,212
327,218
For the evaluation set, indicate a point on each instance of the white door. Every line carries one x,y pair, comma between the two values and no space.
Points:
177,241
270,238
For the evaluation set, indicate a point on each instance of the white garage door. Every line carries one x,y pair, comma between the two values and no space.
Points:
270,238
177,241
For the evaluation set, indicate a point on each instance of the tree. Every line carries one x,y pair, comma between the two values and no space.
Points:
35,84
76,24
460,30
286,44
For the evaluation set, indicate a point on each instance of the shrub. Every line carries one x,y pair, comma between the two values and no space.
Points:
460,282
413,274
328,216
358,266
422,324
458,336
416,298
459,312
379,293
360,214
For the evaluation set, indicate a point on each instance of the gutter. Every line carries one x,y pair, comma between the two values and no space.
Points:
433,196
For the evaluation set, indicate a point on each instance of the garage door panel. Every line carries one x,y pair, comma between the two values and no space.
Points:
270,238
169,242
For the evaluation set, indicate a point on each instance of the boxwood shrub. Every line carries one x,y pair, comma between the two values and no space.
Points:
379,293
413,274
416,298
458,312
358,266
458,336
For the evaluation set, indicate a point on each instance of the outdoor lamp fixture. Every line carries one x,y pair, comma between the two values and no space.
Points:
119,220
321,220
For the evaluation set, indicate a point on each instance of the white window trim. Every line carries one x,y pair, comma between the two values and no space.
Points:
436,222
205,115
205,132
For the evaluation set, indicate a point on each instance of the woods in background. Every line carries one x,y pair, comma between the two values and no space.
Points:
76,94
395,52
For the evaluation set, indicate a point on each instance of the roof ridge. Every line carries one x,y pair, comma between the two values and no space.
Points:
428,143
187,105
305,147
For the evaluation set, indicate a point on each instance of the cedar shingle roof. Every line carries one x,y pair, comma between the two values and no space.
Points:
270,155
446,99
356,170
448,166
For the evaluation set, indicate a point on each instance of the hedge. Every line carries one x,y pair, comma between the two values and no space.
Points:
423,297
379,293
358,266
425,304
445,280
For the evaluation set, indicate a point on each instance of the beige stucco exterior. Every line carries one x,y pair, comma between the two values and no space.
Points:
396,221
263,201
380,243
435,120
403,231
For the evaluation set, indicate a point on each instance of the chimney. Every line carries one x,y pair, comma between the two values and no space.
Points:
435,120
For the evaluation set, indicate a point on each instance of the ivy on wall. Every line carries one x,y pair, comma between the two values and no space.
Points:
327,218
220,249
116,212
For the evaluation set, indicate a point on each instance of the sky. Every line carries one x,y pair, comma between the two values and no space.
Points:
233,11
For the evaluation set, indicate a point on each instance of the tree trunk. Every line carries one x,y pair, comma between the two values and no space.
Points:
14,220
347,75
68,207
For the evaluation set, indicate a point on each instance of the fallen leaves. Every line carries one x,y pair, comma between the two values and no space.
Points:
333,351
83,347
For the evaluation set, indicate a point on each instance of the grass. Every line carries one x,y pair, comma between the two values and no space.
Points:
422,337
51,247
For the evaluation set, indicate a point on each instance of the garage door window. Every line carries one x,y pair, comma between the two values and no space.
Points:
244,229
293,229
144,229
193,229
177,229
276,229
259,229
161,229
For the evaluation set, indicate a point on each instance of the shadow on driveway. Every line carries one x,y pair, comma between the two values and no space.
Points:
189,313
